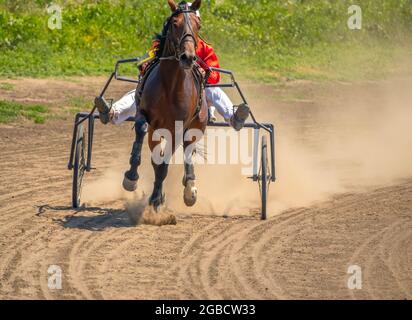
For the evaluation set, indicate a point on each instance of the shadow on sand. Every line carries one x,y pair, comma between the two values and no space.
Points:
104,218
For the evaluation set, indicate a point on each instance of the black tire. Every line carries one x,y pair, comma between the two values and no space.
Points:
264,176
79,167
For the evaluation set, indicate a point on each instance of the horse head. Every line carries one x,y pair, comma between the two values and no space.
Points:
183,31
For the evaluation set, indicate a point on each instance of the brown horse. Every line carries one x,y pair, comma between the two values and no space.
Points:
171,94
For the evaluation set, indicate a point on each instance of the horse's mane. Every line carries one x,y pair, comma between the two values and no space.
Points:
162,37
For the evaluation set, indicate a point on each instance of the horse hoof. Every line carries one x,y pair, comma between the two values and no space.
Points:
157,202
190,193
129,185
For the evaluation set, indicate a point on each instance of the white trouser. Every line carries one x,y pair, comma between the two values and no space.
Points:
217,98
126,106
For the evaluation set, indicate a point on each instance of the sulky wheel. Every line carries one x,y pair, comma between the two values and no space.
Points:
79,167
264,176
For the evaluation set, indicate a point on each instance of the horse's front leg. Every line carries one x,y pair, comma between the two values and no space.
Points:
190,191
131,177
158,197
160,162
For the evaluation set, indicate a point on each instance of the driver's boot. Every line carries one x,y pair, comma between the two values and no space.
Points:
105,111
239,118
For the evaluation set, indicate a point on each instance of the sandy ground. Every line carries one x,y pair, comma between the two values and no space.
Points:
343,197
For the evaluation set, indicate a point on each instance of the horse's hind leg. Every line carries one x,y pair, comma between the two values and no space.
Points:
131,177
190,191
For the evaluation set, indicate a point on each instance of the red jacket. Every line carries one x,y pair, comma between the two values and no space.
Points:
207,54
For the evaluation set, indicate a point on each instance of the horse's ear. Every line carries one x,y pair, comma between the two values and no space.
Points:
196,5
173,5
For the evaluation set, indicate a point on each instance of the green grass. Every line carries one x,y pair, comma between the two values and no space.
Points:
266,40
11,111
77,104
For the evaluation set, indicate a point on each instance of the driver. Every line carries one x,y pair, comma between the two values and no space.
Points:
126,107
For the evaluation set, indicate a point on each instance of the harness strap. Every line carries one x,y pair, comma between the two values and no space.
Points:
200,86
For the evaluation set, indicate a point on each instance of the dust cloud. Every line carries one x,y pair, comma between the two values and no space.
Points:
345,140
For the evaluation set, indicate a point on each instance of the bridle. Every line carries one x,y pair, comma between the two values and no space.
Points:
187,32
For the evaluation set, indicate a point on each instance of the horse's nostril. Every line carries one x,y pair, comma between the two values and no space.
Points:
184,57
187,57
186,60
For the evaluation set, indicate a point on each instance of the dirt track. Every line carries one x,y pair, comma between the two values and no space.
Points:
302,251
